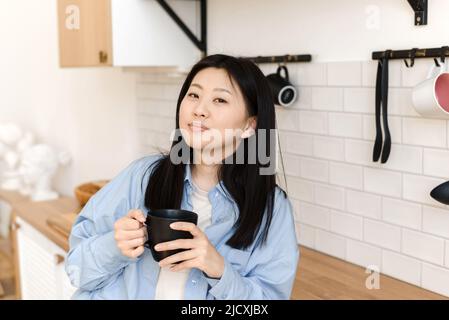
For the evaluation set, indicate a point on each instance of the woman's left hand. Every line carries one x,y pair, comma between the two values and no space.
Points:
202,254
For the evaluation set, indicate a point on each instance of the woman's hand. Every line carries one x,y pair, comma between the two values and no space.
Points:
202,254
130,233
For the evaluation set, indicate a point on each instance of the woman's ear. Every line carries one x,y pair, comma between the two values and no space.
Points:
250,128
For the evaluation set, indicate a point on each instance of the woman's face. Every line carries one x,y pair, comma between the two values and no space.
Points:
213,116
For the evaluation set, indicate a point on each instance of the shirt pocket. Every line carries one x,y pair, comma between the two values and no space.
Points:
238,259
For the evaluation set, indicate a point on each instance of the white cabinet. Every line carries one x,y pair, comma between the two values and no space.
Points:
41,266
5,217
127,33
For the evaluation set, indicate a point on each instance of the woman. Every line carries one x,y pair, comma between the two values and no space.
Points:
244,246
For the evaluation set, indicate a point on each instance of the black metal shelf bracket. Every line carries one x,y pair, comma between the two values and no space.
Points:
281,59
201,44
421,8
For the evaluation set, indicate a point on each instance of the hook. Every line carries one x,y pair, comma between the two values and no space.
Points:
442,56
285,60
412,55
436,62
444,49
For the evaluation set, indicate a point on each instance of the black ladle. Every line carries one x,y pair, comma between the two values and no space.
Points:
441,193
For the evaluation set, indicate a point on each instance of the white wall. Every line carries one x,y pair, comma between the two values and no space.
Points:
88,111
341,30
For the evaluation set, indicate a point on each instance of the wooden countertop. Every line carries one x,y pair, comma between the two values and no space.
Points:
37,213
322,277
12,196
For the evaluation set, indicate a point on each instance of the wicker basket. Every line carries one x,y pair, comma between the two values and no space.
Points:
86,190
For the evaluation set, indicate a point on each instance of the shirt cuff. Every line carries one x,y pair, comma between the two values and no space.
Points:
108,256
220,288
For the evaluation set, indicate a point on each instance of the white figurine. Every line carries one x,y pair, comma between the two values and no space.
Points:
10,134
25,143
38,166
2,162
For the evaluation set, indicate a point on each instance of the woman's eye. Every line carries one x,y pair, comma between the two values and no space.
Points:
193,95
220,100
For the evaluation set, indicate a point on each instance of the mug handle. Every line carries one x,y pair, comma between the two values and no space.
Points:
280,68
147,243
443,68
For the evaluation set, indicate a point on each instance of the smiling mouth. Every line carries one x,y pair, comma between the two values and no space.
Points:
197,127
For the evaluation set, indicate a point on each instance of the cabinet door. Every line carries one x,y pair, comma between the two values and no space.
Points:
84,33
41,266
36,264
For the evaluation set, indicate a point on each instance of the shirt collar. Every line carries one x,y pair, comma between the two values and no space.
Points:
219,186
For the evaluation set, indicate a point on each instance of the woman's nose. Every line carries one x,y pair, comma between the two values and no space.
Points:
200,110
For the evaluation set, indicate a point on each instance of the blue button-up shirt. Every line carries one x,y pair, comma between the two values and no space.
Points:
99,270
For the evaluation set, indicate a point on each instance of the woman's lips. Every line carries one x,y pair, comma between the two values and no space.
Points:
196,128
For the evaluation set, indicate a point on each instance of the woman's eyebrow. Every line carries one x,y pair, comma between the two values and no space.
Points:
216,89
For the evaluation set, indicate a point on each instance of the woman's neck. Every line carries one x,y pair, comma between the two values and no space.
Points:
204,176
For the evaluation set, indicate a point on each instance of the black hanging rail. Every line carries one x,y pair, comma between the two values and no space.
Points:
281,59
412,53
201,44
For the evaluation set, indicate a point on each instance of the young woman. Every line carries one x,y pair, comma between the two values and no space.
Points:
244,245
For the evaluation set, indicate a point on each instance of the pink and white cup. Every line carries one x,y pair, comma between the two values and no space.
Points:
431,97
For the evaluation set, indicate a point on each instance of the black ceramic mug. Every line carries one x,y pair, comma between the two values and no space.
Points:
158,227
284,93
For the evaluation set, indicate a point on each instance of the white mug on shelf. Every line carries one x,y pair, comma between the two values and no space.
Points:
431,97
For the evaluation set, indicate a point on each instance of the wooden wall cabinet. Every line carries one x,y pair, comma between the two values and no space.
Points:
125,33
85,33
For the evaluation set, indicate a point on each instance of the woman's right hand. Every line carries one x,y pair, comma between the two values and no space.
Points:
130,233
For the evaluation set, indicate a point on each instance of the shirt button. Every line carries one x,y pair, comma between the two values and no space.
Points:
194,281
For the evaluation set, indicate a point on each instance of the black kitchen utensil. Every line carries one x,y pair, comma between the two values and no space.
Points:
380,151
441,193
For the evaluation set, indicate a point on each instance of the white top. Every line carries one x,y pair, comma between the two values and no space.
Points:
170,285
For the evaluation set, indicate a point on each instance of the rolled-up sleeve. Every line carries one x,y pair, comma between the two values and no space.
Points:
272,267
94,257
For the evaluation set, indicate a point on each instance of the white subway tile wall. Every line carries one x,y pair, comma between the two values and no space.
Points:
346,205
402,267
363,254
446,263
435,279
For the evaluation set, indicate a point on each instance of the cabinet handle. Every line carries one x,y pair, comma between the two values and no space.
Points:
59,259
103,56
15,226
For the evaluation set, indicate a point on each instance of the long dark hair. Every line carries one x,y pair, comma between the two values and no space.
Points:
254,193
